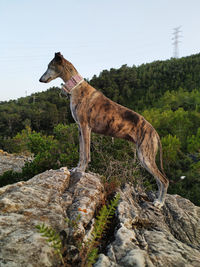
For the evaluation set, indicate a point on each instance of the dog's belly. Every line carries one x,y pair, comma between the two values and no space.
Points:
118,130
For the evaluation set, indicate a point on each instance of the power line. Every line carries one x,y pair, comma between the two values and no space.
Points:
176,41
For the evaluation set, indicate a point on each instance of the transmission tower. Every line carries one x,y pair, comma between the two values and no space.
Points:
176,37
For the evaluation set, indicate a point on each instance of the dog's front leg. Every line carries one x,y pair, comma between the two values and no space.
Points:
80,163
84,147
86,132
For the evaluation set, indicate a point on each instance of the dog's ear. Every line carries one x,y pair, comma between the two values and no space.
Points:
58,58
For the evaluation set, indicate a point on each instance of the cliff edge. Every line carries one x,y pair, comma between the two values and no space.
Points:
140,234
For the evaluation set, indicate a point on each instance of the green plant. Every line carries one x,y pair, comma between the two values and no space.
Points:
113,158
171,147
100,225
73,223
53,239
193,142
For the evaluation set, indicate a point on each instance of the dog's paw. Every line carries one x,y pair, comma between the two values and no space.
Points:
76,169
158,204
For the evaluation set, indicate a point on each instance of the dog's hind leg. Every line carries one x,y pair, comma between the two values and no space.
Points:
147,155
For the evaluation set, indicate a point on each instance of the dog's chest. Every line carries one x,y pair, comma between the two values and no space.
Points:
73,110
75,103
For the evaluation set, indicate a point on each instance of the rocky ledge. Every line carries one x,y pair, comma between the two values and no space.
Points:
12,162
141,235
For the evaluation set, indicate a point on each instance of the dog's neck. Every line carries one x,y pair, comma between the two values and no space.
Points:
68,71
71,77
72,83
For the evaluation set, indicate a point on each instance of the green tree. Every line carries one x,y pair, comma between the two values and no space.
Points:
193,142
171,147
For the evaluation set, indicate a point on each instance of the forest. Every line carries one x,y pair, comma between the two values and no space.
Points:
166,93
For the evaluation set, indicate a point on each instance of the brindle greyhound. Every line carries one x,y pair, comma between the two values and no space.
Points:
94,112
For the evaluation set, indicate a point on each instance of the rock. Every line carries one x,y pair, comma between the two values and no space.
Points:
24,205
47,198
147,236
141,234
12,162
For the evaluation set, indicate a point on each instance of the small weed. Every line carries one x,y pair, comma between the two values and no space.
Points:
73,223
53,239
103,219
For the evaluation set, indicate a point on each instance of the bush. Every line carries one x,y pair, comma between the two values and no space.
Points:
49,152
171,147
193,142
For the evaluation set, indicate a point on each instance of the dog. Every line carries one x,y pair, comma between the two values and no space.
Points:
94,112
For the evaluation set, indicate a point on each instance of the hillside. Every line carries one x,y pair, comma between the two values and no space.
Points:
135,87
166,93
141,87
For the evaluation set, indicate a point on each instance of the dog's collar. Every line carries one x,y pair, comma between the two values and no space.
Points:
72,83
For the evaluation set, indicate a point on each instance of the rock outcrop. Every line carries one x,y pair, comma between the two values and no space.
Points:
141,235
47,198
12,162
150,237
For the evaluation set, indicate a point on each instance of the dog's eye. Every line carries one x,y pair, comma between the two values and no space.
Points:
52,67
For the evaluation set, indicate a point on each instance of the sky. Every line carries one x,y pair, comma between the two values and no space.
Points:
93,34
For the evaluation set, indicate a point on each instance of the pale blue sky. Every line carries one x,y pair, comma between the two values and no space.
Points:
93,34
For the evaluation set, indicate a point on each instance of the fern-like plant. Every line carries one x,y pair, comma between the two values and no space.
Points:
73,223
53,239
90,252
100,225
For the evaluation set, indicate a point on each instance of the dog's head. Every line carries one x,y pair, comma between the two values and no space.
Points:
55,69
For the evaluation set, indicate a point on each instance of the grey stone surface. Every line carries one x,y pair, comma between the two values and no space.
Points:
143,235
151,237
12,162
47,198
24,205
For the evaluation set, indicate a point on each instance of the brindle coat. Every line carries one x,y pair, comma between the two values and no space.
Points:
95,112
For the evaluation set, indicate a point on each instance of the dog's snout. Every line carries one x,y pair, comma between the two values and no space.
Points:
46,77
42,80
